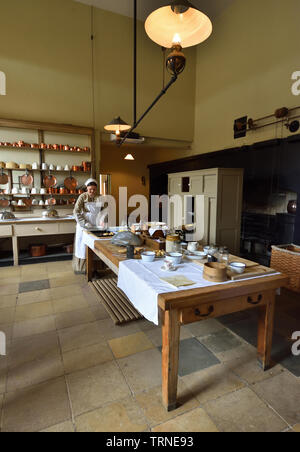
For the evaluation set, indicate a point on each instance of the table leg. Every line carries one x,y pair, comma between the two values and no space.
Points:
89,263
15,250
170,358
265,333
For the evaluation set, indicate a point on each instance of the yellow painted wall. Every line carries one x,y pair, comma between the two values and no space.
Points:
46,54
245,69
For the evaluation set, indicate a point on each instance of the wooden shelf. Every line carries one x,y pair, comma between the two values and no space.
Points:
23,195
47,171
15,148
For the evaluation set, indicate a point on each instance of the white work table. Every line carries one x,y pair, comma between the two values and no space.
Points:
33,227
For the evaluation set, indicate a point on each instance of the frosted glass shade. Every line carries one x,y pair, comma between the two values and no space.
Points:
117,125
166,27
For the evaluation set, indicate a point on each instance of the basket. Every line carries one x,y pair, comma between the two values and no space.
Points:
286,259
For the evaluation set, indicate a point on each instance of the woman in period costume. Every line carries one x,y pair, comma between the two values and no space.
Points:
85,218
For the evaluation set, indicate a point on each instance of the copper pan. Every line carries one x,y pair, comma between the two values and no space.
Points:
3,178
50,181
28,202
4,203
71,183
27,179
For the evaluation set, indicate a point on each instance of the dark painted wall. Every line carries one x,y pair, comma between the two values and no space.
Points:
269,167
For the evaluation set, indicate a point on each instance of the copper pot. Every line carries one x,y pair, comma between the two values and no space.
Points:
66,147
21,144
76,168
86,149
35,146
56,147
37,250
63,191
86,166
43,146
7,144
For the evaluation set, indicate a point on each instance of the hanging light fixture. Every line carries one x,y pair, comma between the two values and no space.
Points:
117,125
179,23
176,26
129,157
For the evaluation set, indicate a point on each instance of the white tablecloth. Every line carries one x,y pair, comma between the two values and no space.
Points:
89,239
142,284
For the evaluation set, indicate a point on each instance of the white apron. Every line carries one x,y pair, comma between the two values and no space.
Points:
90,217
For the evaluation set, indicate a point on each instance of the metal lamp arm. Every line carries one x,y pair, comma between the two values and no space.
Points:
163,91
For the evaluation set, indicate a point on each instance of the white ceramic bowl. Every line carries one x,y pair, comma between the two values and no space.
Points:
237,267
175,258
148,256
197,255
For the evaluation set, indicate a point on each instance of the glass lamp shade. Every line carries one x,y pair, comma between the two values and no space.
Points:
129,157
117,125
178,23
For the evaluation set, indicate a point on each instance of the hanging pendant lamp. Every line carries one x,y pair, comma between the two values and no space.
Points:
117,125
179,23
129,157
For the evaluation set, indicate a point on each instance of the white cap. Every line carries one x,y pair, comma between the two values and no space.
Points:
90,181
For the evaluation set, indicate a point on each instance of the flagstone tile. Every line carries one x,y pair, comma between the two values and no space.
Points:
122,416
151,404
282,392
8,301
64,427
142,370
37,407
197,421
86,357
80,336
129,345
34,326
243,411
7,315
32,286
77,317
212,383
69,303
34,297
91,388
220,341
33,311
9,289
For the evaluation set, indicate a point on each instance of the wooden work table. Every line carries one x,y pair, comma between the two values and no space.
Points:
33,227
188,306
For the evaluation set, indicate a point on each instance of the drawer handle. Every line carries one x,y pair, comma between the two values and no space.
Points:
210,311
38,229
250,300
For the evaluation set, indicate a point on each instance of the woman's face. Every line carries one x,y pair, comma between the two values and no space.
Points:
92,191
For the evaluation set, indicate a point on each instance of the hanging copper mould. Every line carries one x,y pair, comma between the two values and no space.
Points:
50,181
27,179
3,178
71,183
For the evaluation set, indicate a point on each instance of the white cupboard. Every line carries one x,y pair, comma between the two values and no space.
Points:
222,189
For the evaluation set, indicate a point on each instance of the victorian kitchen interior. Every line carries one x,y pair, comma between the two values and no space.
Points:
149,217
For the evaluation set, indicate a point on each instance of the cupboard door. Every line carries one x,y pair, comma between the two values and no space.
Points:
196,185
210,184
212,221
175,185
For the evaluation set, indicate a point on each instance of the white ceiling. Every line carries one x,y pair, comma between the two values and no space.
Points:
125,7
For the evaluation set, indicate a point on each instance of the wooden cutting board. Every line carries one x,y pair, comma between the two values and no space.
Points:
251,272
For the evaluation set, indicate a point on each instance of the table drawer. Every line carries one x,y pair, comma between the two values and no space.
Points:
5,231
67,228
218,309
28,230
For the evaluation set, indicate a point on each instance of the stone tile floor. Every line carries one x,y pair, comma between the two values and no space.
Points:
69,368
